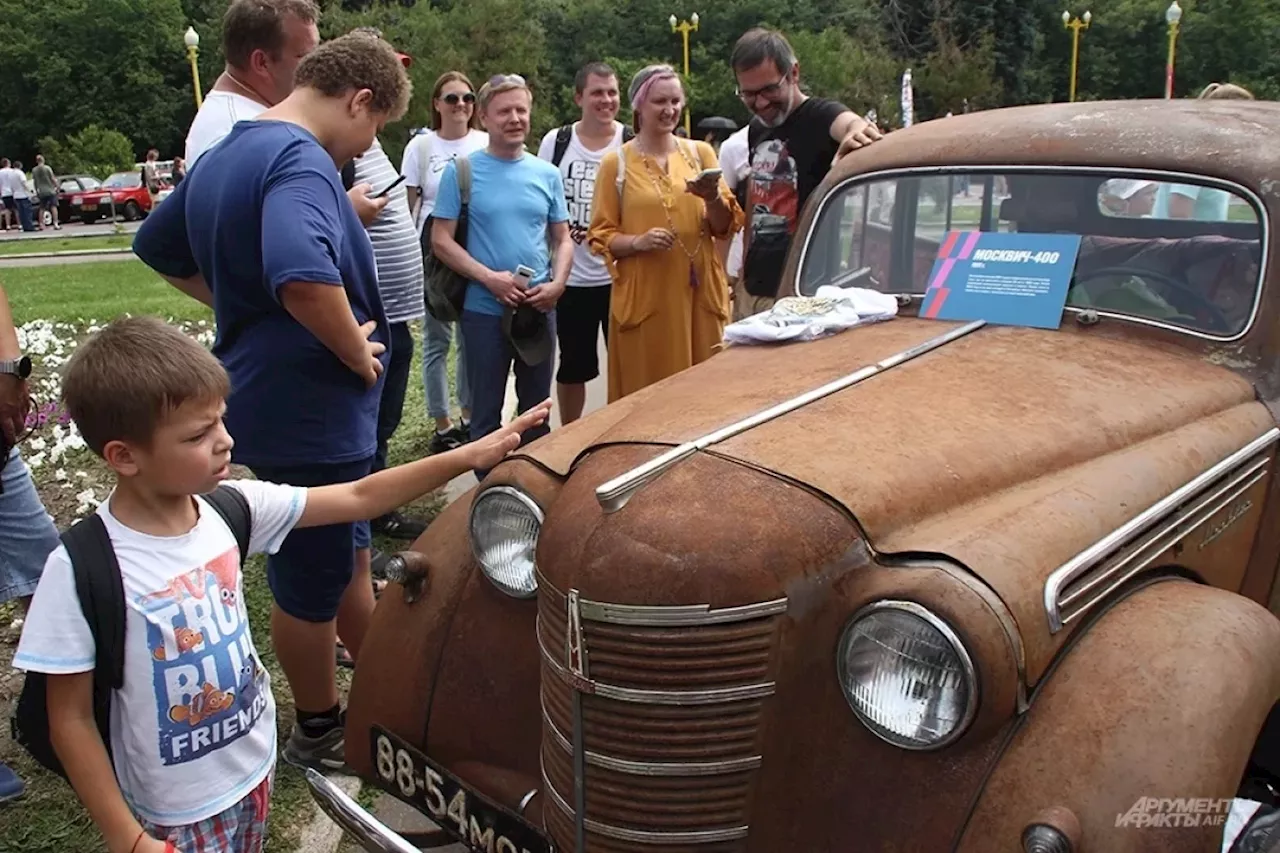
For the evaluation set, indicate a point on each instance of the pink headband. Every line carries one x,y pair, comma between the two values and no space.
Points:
643,91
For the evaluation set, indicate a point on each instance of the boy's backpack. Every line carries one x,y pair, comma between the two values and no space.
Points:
565,135
446,290
100,589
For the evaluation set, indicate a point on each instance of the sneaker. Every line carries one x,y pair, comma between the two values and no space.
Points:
323,754
462,432
443,442
11,786
398,526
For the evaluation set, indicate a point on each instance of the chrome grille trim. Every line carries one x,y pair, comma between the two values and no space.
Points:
701,836
653,768
655,697
693,614
1056,596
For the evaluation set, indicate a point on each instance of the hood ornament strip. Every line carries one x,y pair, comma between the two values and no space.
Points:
614,494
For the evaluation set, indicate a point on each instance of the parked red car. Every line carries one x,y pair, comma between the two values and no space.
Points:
124,189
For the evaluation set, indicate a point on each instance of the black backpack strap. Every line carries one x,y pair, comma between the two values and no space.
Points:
563,137
628,133
100,589
348,173
230,503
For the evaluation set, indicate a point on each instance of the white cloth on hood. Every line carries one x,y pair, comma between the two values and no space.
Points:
804,318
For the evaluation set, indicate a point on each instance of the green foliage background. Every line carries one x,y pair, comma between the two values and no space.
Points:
121,65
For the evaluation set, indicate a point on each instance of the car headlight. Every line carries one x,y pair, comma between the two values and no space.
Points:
505,523
907,675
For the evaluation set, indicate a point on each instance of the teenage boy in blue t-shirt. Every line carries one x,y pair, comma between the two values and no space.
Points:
516,204
262,230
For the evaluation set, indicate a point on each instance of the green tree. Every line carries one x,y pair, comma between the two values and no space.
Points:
116,63
955,78
93,151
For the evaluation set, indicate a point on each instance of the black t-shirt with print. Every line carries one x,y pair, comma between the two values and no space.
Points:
787,164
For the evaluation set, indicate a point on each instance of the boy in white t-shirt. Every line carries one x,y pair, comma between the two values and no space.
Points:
193,734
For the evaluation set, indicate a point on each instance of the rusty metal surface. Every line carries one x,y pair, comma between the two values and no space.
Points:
1129,713
395,678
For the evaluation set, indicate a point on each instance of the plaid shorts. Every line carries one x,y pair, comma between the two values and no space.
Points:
240,829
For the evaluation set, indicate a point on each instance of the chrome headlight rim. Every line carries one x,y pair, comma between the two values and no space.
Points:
961,651
528,503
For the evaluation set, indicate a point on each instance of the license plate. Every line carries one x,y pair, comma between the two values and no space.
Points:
481,824
88,207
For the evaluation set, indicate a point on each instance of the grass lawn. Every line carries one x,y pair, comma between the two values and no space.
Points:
65,244
50,817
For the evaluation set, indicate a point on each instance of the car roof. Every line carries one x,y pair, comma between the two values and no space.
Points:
1234,140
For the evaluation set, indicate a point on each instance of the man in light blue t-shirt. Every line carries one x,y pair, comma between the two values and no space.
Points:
517,203
1190,201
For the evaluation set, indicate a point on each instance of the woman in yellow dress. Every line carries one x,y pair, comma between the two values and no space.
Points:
656,229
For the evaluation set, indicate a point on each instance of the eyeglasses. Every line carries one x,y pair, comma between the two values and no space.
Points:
772,90
499,79
453,97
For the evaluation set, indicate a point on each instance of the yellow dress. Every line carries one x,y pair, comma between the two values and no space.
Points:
661,320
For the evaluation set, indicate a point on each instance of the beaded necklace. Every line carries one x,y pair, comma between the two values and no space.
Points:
668,205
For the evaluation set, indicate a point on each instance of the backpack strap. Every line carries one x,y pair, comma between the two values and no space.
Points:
463,167
563,136
424,162
621,180
230,503
100,589
628,133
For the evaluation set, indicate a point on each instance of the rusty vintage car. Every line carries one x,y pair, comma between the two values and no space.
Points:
920,585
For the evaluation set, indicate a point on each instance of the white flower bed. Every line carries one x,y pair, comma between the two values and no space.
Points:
54,441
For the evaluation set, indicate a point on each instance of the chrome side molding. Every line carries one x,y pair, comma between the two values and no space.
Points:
680,615
614,494
1141,544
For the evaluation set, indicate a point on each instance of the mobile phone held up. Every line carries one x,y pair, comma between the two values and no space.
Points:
709,173
390,187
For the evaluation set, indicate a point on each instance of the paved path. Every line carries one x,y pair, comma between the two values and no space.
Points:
58,259
71,229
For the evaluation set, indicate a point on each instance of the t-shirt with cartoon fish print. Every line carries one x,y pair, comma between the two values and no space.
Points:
193,729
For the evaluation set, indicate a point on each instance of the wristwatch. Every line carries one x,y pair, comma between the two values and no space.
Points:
19,367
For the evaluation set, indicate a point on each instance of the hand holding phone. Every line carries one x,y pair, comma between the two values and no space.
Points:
390,187
524,275
709,173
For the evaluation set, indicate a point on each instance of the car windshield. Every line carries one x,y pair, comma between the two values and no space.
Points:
1184,254
90,183
123,181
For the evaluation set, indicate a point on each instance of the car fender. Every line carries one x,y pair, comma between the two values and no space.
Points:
1161,697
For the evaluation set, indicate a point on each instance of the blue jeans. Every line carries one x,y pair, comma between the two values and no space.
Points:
489,360
27,534
24,214
437,336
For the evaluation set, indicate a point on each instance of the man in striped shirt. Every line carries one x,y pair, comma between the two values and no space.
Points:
400,283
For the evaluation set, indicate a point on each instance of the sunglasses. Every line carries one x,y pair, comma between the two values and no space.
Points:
499,79
453,98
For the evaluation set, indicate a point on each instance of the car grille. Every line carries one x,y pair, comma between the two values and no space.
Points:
670,707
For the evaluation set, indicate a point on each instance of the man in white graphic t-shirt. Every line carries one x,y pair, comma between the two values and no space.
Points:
582,314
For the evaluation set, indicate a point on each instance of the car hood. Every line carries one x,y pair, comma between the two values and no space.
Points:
1009,450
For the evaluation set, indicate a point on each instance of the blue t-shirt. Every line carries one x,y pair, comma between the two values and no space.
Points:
512,202
260,210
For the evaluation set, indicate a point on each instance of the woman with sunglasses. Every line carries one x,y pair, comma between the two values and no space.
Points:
453,134
660,205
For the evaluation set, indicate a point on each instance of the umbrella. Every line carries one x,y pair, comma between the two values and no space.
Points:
717,123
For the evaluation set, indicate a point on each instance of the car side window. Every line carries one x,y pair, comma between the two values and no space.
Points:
70,186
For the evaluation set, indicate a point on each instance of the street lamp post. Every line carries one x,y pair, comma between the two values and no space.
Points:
1171,16
1075,25
192,40
684,28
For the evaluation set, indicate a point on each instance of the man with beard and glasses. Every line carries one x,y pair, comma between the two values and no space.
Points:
793,142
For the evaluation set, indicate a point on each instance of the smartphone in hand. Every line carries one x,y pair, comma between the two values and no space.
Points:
390,187
709,173
524,275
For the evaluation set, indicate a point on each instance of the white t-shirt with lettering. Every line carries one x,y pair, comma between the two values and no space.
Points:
424,160
193,730
578,169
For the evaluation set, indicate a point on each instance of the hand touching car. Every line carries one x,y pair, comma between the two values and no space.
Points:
488,451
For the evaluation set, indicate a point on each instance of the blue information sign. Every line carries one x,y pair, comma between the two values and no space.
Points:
1003,278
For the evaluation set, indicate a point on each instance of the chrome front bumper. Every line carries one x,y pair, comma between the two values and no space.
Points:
357,823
